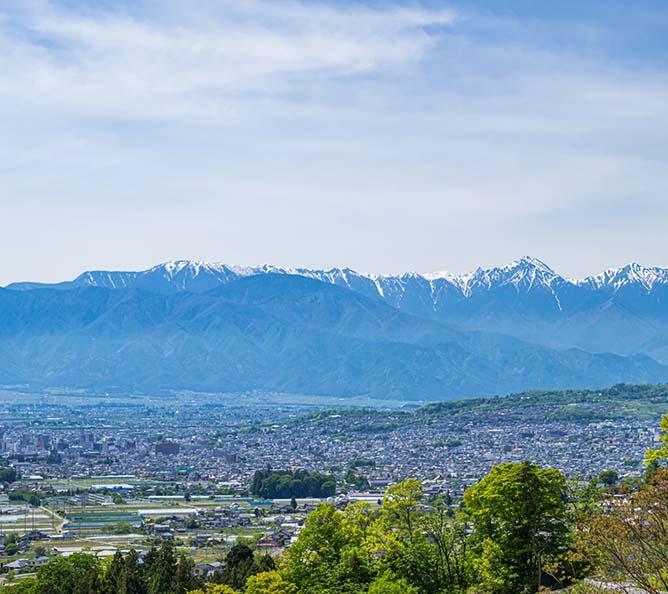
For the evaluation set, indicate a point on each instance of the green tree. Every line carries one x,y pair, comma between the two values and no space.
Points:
77,574
401,506
214,589
162,572
518,512
149,561
238,554
608,477
652,456
8,475
651,469
270,582
390,584
11,549
446,532
402,537
283,484
183,578
312,560
134,582
114,577
264,563
240,564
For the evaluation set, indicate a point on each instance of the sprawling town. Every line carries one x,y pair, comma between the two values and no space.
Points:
121,472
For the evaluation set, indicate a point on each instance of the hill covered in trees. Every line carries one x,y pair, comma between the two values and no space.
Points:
618,401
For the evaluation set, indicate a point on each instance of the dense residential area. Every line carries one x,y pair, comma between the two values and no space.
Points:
221,446
210,478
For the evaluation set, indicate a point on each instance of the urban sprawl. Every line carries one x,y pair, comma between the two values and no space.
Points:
119,474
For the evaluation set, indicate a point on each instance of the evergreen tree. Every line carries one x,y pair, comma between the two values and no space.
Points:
239,565
163,570
264,563
149,559
134,582
184,580
114,577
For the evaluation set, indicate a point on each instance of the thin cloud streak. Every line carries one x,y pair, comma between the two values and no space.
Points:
113,64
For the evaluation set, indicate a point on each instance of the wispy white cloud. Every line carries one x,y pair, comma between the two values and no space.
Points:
182,59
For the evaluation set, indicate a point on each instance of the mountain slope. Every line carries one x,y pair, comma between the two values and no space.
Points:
622,311
275,332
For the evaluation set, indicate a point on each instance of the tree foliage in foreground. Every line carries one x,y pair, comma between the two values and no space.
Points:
409,545
631,538
519,515
513,525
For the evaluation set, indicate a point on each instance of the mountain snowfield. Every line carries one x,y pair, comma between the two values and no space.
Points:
524,274
216,327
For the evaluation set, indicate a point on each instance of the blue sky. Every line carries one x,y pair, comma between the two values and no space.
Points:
382,136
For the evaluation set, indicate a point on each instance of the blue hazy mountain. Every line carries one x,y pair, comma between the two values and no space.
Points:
215,328
623,311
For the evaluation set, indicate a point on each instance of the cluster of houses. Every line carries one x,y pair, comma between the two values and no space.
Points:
219,448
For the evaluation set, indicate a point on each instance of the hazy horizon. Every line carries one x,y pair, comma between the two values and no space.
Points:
561,273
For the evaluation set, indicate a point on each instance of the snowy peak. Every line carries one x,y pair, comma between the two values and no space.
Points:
523,274
441,275
108,280
188,268
525,269
631,275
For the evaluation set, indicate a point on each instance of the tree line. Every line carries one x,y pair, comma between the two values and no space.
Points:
159,571
284,484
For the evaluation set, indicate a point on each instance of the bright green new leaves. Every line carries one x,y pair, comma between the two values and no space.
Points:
390,584
401,506
653,456
509,537
423,544
407,545
269,582
518,513
329,552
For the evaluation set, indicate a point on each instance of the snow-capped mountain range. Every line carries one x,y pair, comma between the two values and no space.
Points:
524,274
217,327
621,310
